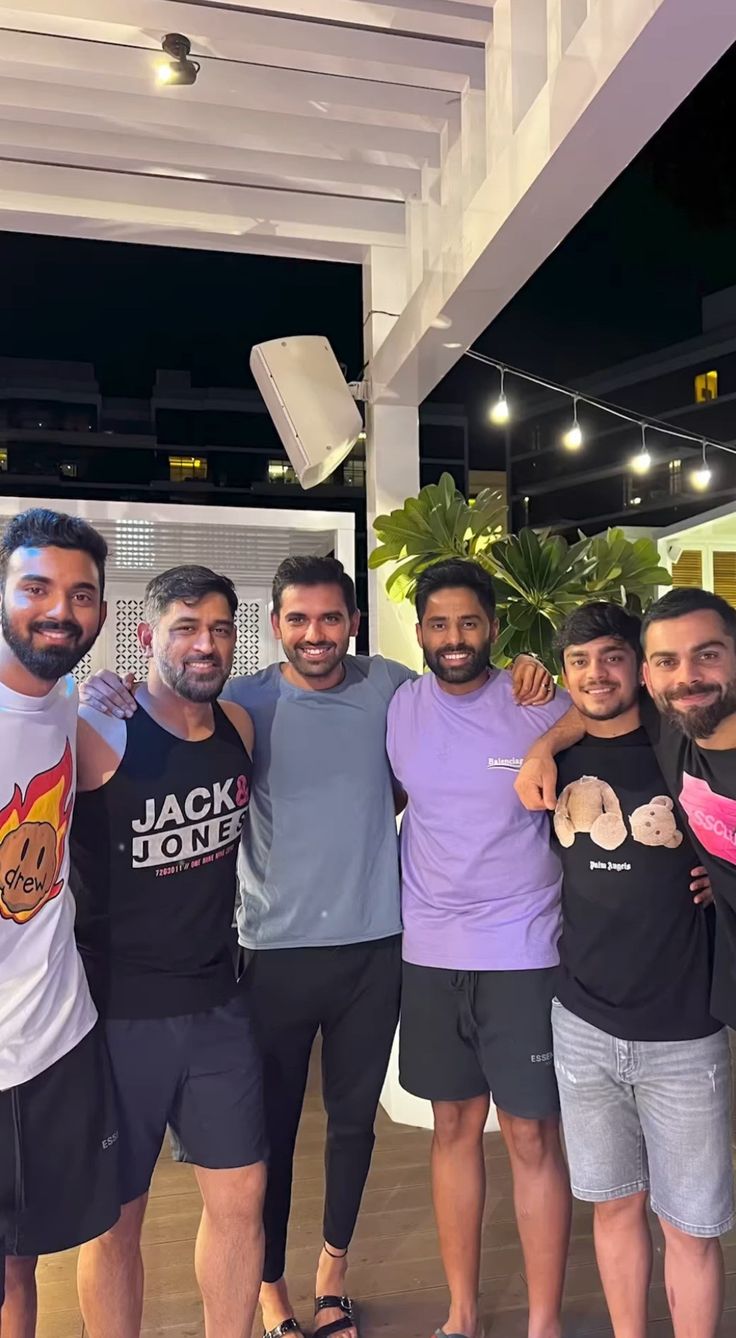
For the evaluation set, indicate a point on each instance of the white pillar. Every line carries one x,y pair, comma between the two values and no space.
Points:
392,475
392,453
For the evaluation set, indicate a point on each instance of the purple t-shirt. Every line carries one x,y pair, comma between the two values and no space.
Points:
480,884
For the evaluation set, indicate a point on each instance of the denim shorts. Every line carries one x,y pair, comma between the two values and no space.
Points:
648,1115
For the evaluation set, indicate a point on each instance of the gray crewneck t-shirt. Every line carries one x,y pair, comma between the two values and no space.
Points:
319,856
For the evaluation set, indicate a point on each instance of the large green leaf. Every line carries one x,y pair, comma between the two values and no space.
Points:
538,577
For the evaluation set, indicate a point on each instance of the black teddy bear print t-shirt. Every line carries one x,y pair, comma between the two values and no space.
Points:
635,951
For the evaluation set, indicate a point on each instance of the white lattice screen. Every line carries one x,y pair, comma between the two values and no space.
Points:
84,668
249,656
128,657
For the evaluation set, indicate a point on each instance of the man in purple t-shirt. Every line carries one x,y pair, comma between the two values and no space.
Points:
481,913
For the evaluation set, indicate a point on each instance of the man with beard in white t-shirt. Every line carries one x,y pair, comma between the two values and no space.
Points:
58,1130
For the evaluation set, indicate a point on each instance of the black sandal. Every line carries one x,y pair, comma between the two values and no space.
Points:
343,1303
286,1326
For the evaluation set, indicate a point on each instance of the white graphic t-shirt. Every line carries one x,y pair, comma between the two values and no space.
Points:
45,1005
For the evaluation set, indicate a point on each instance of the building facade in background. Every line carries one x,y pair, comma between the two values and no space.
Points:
690,386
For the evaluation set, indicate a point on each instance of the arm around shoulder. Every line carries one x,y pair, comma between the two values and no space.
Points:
536,783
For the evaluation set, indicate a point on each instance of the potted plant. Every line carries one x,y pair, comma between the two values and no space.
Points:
538,576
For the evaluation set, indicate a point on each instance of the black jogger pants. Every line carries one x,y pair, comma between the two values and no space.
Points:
351,993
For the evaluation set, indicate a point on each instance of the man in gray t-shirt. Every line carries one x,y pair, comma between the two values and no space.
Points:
319,913
325,751
320,905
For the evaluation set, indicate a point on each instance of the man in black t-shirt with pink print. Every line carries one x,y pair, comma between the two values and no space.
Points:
643,1069
689,639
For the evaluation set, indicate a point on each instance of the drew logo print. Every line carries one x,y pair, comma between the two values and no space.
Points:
33,831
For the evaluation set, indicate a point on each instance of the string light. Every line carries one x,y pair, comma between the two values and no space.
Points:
572,439
700,478
642,463
499,413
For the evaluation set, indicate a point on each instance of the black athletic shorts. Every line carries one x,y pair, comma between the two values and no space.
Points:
58,1154
466,1033
201,1075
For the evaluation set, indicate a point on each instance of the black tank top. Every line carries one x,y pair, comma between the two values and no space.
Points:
153,871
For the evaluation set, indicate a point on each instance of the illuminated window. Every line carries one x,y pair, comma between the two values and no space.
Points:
354,473
183,467
3,460
675,476
280,471
706,387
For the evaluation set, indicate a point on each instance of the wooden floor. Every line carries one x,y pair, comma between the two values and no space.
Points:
395,1273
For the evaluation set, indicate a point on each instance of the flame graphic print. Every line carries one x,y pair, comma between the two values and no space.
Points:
33,832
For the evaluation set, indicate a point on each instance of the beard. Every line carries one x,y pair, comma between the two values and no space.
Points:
47,663
702,721
610,712
461,673
193,687
322,668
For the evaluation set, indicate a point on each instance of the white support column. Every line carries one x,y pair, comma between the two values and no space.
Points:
392,455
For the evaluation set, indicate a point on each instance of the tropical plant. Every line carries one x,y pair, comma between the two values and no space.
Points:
538,577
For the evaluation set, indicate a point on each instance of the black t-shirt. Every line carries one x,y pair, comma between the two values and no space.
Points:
635,951
703,780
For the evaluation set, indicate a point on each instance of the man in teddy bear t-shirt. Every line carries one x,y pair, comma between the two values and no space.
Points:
643,1069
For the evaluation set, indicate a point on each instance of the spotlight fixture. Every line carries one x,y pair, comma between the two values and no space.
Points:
642,463
178,71
499,412
572,440
700,478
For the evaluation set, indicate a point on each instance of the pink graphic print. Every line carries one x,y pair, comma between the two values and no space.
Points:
712,817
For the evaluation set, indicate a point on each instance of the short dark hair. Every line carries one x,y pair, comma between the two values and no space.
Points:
457,574
189,584
41,528
599,618
311,569
685,599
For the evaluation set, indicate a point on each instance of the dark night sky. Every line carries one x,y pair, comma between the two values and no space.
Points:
628,279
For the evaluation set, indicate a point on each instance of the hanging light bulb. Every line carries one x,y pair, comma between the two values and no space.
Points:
642,463
700,478
572,440
499,412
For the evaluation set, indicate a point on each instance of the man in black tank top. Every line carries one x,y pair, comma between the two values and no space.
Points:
161,802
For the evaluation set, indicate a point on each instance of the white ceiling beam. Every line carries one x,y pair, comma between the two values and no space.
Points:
69,140
197,205
114,230
257,130
266,40
116,65
431,18
604,99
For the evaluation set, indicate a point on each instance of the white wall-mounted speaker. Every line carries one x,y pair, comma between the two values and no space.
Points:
309,402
